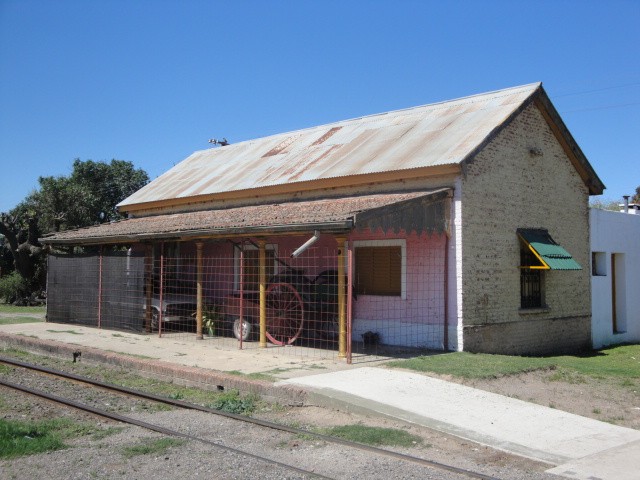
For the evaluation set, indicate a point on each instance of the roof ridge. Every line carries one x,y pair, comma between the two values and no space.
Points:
503,91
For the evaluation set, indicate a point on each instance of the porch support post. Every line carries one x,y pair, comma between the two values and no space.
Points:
199,290
262,259
342,323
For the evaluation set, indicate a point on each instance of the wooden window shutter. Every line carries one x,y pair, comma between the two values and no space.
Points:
379,270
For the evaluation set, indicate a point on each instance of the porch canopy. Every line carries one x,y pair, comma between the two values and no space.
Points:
419,211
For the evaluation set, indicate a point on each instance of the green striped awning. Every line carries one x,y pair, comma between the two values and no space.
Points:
546,251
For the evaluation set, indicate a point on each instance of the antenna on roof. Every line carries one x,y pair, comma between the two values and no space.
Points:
222,143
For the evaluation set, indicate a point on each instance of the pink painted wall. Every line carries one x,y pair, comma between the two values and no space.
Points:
424,287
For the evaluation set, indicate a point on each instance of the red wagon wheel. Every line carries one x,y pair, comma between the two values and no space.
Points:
285,314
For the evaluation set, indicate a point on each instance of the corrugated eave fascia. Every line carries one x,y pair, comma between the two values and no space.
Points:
325,227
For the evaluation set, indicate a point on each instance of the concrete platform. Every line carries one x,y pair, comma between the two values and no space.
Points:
577,447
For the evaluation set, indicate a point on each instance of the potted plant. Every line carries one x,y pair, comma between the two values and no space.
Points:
210,317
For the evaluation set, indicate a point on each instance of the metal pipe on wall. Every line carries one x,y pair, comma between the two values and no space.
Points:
307,244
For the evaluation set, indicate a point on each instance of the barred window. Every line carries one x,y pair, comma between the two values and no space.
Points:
531,276
530,288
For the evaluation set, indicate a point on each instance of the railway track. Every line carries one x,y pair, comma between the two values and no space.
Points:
429,464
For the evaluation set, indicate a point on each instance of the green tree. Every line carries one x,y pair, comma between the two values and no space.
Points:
636,197
86,197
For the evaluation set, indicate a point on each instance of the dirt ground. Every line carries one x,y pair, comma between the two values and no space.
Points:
615,401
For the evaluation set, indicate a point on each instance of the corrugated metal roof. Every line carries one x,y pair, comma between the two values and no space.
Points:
548,251
431,135
332,214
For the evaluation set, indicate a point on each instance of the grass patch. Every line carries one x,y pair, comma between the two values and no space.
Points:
621,361
4,308
102,434
267,377
72,332
152,447
15,353
135,355
15,320
233,402
567,376
377,436
19,438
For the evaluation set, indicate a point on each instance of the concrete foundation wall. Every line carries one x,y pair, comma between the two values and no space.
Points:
523,179
561,335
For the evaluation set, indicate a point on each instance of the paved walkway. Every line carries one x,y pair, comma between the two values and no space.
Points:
575,447
527,429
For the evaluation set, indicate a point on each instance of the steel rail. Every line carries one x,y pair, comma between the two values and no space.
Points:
155,428
254,421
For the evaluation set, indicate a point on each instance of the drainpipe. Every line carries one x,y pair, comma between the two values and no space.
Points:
307,244
626,203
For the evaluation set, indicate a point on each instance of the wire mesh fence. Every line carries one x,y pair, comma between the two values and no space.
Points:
394,293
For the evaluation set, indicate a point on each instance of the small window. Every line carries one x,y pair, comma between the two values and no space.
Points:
251,270
598,264
379,268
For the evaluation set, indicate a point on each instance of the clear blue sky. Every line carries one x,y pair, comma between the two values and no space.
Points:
152,81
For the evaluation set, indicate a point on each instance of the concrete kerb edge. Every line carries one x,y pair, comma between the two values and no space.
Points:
179,374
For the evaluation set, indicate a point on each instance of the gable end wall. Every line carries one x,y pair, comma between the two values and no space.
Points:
504,188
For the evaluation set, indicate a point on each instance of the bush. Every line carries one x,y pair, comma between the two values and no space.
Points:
13,287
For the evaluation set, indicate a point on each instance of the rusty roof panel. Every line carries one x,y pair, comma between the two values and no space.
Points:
286,216
430,135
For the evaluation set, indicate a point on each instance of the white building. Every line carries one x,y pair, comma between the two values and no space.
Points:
615,269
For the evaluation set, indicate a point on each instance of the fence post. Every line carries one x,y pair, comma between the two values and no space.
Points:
342,324
199,291
262,259
100,289
148,274
349,300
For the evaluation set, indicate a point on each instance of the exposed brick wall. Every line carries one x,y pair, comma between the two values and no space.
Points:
505,188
